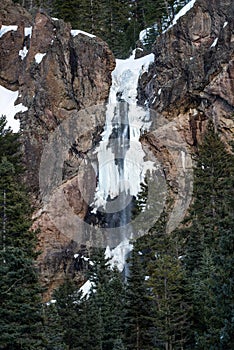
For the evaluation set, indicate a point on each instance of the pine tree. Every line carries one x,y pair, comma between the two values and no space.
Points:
169,290
53,327
208,242
108,296
69,308
20,314
138,317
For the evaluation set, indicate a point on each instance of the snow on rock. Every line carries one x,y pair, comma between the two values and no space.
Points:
225,24
183,158
38,57
4,29
182,12
214,43
23,53
75,32
28,31
8,107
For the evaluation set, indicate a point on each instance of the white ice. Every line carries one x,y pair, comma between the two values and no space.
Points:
9,109
119,254
124,80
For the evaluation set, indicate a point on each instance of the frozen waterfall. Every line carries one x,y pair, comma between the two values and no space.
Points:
121,165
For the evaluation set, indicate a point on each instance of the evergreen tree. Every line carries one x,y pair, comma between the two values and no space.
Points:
70,310
208,242
138,317
169,290
20,314
108,296
53,327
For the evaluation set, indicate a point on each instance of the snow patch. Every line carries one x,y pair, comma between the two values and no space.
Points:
28,31
39,57
75,32
225,24
9,109
4,29
159,91
214,43
86,288
23,53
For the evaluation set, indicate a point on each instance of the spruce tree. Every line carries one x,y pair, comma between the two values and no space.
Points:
138,316
108,296
208,244
169,290
20,314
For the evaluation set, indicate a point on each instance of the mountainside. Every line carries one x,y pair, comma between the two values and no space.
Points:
192,75
189,83
63,79
57,73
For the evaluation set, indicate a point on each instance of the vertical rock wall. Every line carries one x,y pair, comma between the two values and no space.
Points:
63,79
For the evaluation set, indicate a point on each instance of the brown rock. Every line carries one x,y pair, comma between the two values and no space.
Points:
190,82
64,82
13,14
193,63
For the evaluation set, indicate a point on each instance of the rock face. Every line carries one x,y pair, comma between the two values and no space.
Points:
190,82
63,79
192,76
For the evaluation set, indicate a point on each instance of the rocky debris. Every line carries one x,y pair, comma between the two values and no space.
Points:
63,78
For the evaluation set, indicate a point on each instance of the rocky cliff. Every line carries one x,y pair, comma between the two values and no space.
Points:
190,82
192,76
63,78
58,73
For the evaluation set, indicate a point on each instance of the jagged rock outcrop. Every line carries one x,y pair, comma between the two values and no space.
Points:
192,76
190,81
63,79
